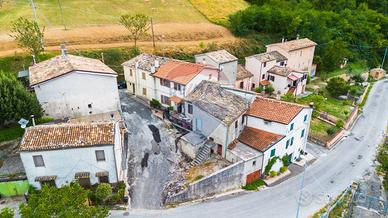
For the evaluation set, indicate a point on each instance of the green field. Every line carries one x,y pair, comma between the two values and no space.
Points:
89,12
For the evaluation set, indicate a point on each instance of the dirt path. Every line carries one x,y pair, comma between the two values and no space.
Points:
113,36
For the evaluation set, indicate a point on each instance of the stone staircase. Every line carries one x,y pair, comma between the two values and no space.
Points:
202,155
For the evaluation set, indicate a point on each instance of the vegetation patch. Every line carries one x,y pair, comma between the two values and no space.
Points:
382,158
218,11
320,130
254,185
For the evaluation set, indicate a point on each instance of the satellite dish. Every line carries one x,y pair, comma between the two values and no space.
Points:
23,123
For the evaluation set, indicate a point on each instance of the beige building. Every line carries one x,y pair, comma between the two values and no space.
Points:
377,73
299,53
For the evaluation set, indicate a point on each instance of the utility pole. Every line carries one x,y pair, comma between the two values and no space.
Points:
63,19
301,189
153,35
385,54
36,20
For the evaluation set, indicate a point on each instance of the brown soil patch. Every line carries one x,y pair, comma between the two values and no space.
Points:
110,36
198,172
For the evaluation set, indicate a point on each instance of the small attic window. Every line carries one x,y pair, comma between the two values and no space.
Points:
89,105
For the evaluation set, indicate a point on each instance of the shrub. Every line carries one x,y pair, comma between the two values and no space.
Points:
155,103
288,97
6,212
273,173
259,89
271,162
119,196
198,177
331,130
269,89
283,169
337,86
357,78
286,160
340,123
103,192
254,185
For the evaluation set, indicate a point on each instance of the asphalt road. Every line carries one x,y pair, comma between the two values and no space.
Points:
328,176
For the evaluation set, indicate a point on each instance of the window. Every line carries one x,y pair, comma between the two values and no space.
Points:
273,152
282,63
130,72
190,108
292,141
144,91
164,82
264,64
236,124
287,143
177,86
143,76
267,122
38,160
103,179
254,163
100,155
242,119
263,77
305,118
302,134
89,105
210,76
292,126
300,53
253,85
271,78
165,100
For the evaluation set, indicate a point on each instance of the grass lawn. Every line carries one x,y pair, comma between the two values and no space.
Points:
88,12
335,107
217,11
318,129
356,68
14,131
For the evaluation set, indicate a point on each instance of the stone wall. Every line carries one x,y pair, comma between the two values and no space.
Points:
228,178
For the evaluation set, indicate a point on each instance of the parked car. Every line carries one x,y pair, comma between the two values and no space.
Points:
121,84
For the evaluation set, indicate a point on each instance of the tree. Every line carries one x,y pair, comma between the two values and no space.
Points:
137,25
6,212
103,192
269,89
28,35
15,101
68,201
337,86
317,99
288,97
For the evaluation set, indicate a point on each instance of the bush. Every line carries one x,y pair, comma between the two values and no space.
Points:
119,196
198,177
103,192
269,89
273,173
340,123
254,185
259,89
6,212
288,97
286,160
331,130
337,86
271,162
357,78
283,169
155,103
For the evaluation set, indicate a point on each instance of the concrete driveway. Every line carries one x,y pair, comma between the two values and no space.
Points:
330,175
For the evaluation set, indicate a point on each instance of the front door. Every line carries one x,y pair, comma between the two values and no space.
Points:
84,182
219,149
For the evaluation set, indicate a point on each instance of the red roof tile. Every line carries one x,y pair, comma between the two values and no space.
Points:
176,99
274,110
258,139
264,83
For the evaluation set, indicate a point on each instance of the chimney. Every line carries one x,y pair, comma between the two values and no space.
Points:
156,64
63,50
297,36
153,69
311,105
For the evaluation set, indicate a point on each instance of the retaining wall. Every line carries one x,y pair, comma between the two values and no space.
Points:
228,178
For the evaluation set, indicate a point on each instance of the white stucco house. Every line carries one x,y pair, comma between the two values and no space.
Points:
166,80
69,86
273,129
87,152
285,80
222,60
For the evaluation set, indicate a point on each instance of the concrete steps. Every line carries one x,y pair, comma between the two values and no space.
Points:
202,155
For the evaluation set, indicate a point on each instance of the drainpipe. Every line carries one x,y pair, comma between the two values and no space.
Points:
227,138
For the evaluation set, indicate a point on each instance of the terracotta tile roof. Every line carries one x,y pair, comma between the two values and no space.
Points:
221,56
218,102
295,44
264,82
60,136
145,61
258,139
274,110
269,56
60,65
242,73
176,99
179,71
281,71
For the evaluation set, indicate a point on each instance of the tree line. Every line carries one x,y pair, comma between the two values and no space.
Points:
351,29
